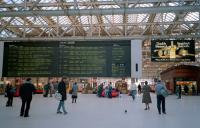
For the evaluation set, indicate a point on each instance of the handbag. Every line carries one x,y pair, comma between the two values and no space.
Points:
164,92
70,91
58,96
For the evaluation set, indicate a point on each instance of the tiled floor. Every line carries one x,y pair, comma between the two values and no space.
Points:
93,112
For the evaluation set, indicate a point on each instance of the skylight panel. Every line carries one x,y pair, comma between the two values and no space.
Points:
168,17
8,1
144,5
66,28
94,20
118,19
132,18
142,18
142,26
6,18
54,18
48,1
3,9
14,1
69,0
27,30
174,4
86,28
113,19
78,7
17,21
192,16
5,33
166,26
108,6
185,27
18,1
64,20
39,21
31,18
49,8
84,19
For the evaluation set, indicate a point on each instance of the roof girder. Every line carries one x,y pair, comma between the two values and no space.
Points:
110,11
55,4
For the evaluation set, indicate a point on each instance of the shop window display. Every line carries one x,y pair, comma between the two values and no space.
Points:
187,87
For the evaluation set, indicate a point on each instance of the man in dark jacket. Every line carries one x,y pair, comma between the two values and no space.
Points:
62,90
25,92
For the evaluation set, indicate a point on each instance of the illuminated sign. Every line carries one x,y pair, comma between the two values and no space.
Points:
172,50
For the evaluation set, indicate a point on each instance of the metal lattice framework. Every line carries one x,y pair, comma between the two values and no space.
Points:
63,20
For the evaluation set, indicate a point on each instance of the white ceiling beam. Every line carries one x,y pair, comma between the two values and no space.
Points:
110,11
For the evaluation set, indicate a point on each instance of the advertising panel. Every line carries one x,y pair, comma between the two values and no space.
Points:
172,50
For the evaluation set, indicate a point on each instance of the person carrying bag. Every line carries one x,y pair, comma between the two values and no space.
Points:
161,92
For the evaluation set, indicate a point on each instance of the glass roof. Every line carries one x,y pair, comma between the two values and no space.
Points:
110,21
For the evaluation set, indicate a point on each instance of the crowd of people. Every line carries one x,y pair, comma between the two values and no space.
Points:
27,89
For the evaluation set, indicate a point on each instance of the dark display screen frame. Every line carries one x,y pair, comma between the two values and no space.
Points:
118,65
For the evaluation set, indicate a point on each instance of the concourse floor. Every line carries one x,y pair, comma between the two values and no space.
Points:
93,112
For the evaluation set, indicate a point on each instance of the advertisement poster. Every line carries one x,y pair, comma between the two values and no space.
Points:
172,50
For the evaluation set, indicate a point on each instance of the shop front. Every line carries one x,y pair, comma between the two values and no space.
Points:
187,76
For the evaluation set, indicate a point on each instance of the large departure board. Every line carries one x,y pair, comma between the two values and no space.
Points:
73,59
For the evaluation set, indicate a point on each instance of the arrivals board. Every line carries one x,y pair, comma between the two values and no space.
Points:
73,59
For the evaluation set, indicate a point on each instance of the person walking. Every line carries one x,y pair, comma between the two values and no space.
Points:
100,90
179,91
132,90
62,90
74,92
110,90
160,98
139,89
25,92
146,96
51,89
47,88
10,90
186,89
193,90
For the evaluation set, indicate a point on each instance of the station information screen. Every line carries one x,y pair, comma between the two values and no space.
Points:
73,59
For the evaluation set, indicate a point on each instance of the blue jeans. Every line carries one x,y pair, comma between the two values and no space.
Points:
133,93
61,104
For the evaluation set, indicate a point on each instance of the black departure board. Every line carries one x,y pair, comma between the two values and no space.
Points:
72,59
